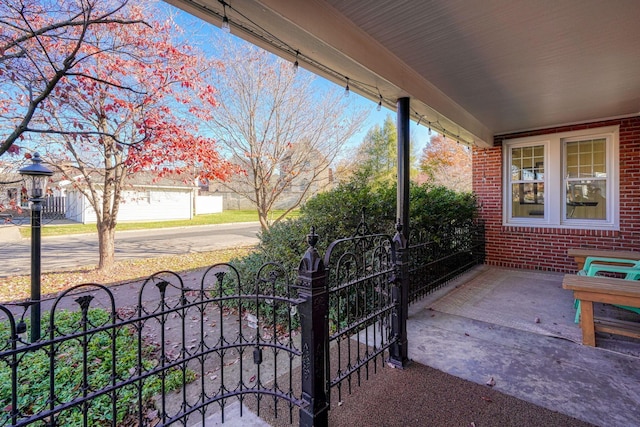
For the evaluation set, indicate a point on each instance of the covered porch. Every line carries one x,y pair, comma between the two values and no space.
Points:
532,348
479,74
488,76
527,360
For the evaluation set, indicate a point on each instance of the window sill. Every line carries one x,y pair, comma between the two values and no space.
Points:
608,231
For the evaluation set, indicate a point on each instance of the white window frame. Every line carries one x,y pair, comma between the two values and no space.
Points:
554,181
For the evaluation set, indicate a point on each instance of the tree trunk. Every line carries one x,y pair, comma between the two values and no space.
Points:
263,218
106,245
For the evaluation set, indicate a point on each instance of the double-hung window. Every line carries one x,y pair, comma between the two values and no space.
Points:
567,180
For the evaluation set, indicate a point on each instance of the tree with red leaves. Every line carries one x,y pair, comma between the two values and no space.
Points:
447,163
126,113
42,42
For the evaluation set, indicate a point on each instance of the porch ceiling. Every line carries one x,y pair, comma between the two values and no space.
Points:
477,68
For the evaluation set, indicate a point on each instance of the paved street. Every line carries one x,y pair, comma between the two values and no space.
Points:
72,251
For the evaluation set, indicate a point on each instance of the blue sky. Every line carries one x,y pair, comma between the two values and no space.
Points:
203,34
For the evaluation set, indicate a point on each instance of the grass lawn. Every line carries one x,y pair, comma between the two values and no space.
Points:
225,217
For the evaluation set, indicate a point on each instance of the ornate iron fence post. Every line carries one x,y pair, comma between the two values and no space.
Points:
315,336
398,353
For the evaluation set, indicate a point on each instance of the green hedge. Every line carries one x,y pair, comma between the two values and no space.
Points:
337,213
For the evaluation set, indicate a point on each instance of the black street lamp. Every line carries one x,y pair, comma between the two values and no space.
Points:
37,178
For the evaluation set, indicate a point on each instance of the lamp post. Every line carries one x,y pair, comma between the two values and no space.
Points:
36,177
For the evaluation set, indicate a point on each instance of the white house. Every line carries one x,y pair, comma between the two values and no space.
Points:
147,199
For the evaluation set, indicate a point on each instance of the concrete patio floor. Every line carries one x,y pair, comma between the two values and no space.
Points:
593,384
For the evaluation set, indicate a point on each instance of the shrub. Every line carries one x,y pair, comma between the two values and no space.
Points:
337,213
432,208
434,212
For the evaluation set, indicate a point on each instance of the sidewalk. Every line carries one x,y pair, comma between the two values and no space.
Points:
9,233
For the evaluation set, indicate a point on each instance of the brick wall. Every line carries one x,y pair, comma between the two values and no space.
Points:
546,248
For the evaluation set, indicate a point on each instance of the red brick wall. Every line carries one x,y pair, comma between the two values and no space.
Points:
546,248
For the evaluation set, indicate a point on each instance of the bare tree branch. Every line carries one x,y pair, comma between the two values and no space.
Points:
279,129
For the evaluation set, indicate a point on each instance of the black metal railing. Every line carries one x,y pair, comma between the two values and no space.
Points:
360,279
178,355
436,258
188,348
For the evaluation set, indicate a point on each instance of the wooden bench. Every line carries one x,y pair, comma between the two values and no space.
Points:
580,254
607,290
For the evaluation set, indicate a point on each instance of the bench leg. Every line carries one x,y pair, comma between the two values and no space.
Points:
586,323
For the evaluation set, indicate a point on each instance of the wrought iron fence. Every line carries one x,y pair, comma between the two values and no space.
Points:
177,355
436,258
188,348
361,271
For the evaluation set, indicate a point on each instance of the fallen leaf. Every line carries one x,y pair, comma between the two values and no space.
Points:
486,399
232,362
491,382
537,320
